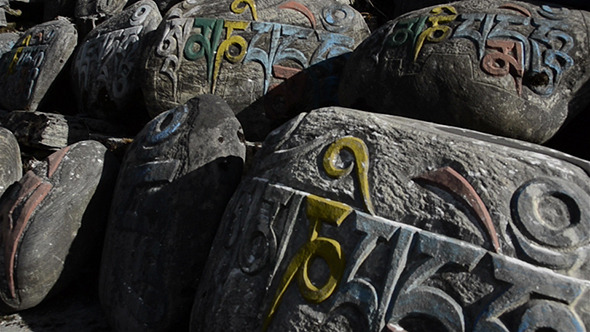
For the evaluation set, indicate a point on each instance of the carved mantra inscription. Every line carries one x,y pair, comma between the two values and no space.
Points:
485,291
27,59
321,210
271,45
542,52
110,57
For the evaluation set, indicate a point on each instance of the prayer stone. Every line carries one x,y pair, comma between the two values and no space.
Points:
175,181
52,222
515,69
354,221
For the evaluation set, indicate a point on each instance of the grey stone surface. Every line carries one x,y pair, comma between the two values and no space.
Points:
392,9
515,69
352,221
52,222
242,50
50,131
98,8
29,69
11,168
175,181
104,69
165,5
7,41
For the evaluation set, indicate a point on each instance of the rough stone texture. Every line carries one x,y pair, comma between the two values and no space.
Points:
514,69
352,221
240,50
391,9
404,6
165,5
3,6
11,168
55,131
175,181
98,8
105,66
7,41
28,70
52,222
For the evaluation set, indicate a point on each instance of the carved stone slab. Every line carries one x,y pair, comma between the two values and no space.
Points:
52,222
242,50
55,131
509,68
11,168
105,66
175,181
353,221
28,70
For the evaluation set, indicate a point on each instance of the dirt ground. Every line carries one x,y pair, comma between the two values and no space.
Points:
75,309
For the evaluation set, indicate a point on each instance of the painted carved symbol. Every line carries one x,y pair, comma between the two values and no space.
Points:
508,60
208,44
337,17
237,9
281,38
553,61
436,33
319,210
225,47
542,55
298,7
517,8
407,30
416,30
31,192
449,180
19,50
205,43
361,160
475,27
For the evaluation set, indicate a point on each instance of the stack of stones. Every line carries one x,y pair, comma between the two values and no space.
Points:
294,165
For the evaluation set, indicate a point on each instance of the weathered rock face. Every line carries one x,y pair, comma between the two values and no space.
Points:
98,8
242,50
514,69
105,66
48,131
52,222
354,221
29,69
7,41
11,168
165,5
175,181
